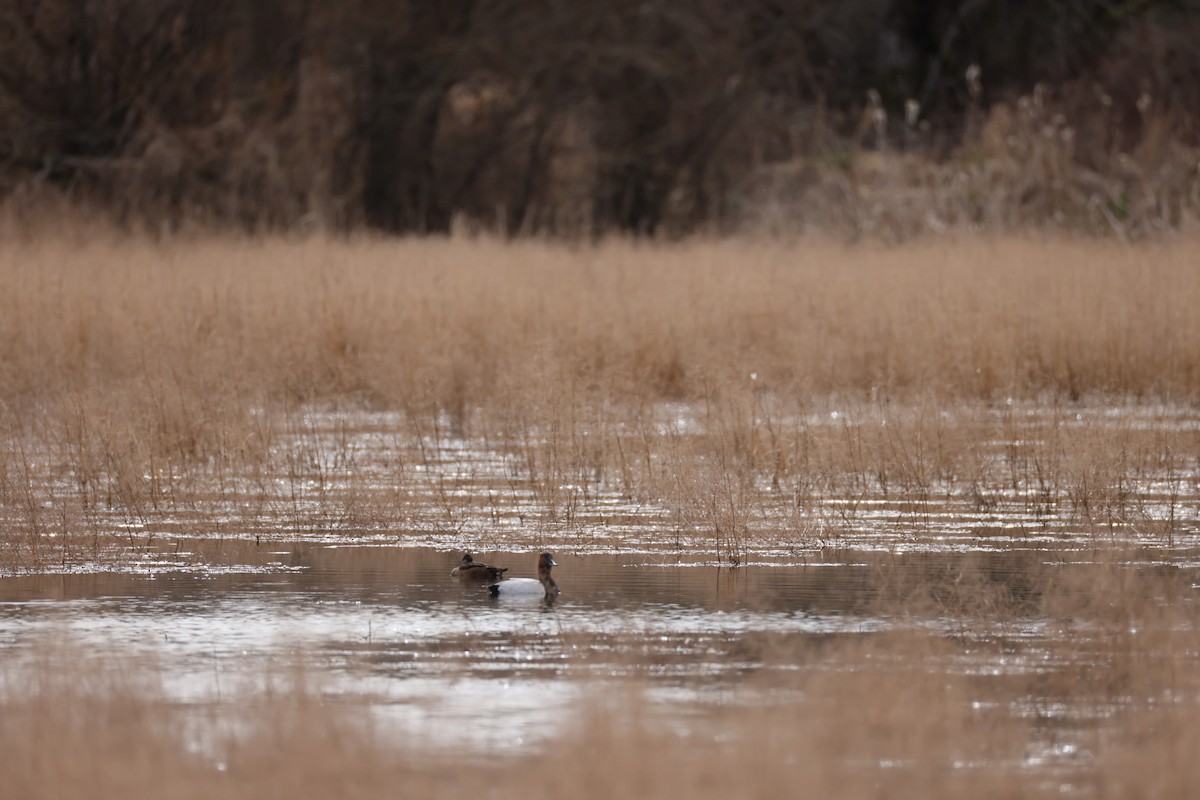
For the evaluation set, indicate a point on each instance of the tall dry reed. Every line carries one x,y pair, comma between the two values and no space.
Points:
138,379
185,326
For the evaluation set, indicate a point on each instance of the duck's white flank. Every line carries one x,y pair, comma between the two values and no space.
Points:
522,586
544,586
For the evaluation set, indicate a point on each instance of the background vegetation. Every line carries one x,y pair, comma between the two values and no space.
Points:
740,389
883,117
741,385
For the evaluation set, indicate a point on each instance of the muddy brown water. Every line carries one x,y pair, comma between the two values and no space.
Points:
446,662
642,606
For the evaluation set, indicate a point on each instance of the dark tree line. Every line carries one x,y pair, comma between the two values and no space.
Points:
523,115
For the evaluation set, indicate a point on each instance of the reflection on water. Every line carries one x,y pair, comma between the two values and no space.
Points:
1034,606
444,661
355,475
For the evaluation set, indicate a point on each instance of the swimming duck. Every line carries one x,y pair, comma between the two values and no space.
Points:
469,570
543,586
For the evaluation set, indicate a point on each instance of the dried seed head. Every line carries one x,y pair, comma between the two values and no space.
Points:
879,117
912,111
974,75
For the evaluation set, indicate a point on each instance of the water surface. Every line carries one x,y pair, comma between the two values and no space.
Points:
446,662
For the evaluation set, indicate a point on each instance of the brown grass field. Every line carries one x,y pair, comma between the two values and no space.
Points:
468,325
144,382
137,380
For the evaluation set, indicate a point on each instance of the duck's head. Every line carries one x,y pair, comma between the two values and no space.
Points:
545,562
467,560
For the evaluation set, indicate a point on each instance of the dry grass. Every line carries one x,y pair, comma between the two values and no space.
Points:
1061,159
142,380
464,324
149,384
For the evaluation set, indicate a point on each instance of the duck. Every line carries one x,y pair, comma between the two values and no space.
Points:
469,570
541,587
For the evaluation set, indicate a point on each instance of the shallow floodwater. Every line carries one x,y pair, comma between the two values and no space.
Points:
445,662
300,580
366,476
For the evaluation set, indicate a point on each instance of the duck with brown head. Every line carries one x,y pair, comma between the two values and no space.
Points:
471,570
530,588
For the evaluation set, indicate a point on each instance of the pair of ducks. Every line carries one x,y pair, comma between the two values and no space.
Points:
544,586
